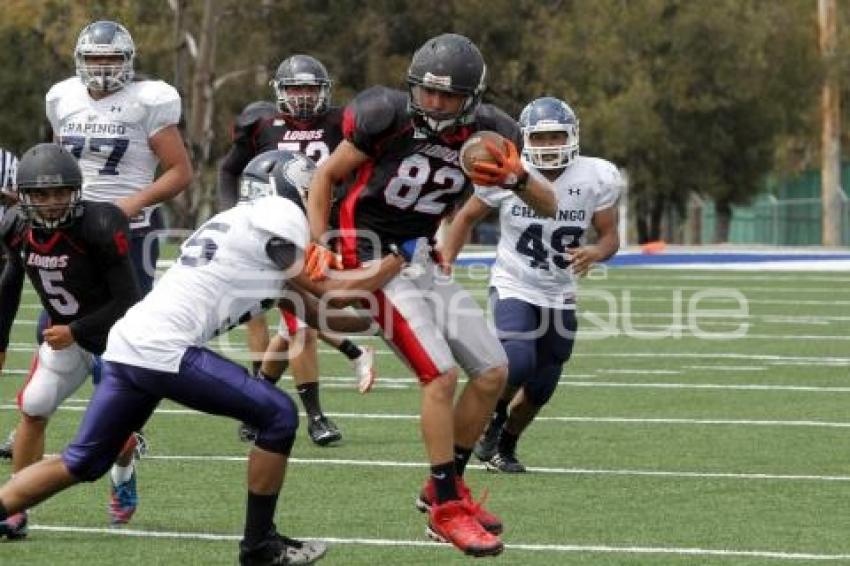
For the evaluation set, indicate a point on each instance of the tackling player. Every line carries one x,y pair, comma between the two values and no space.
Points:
238,263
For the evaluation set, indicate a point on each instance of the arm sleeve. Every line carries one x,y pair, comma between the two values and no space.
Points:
110,238
282,252
492,197
11,286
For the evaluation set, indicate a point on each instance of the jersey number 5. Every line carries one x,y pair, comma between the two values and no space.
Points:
60,299
530,243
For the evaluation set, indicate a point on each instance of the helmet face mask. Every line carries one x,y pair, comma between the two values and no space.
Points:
104,56
448,63
302,87
50,186
540,121
51,207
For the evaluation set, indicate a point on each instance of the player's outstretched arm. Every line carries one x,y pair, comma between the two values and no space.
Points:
607,243
320,316
461,227
176,175
347,287
344,160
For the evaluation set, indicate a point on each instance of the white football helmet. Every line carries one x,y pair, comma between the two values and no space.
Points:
105,39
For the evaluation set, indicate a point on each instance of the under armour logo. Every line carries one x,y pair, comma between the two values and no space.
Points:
573,191
115,109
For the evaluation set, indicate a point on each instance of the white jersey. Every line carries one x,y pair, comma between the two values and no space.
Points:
110,136
222,278
531,261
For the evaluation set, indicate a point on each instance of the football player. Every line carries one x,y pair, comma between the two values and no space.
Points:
399,159
533,282
238,263
8,196
75,253
121,128
303,120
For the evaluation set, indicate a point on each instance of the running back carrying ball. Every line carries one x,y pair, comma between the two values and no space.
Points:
474,149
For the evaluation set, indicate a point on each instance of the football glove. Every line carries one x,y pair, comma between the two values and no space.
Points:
507,171
319,261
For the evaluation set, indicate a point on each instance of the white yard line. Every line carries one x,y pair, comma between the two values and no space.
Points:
534,469
554,548
607,420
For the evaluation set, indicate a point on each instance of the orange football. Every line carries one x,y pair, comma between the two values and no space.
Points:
474,149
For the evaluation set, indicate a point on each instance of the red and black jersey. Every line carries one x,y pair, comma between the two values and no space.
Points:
412,179
82,272
260,128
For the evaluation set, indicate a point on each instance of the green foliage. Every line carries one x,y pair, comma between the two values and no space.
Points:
703,97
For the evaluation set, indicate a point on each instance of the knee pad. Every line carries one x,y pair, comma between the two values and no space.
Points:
541,387
277,434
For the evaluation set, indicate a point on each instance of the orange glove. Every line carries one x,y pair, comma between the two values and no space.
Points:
507,171
319,260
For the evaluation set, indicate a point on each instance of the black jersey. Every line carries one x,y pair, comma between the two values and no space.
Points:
82,272
260,128
412,179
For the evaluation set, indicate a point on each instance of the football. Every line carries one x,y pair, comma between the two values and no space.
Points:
474,149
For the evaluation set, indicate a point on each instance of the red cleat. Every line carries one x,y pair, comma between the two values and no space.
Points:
428,496
454,522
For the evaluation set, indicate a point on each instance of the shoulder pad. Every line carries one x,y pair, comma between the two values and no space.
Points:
255,112
377,108
154,93
492,118
101,220
62,88
280,217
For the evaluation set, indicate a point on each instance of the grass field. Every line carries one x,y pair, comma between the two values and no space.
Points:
708,427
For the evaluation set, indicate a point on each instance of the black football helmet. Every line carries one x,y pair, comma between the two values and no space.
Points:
277,172
451,63
105,38
44,167
549,114
302,71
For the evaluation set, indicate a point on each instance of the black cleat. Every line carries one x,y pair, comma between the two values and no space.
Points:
8,446
323,431
278,549
505,463
488,444
15,526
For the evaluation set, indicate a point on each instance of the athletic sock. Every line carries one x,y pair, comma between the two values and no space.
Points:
461,459
121,474
259,517
309,393
443,476
507,442
351,350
